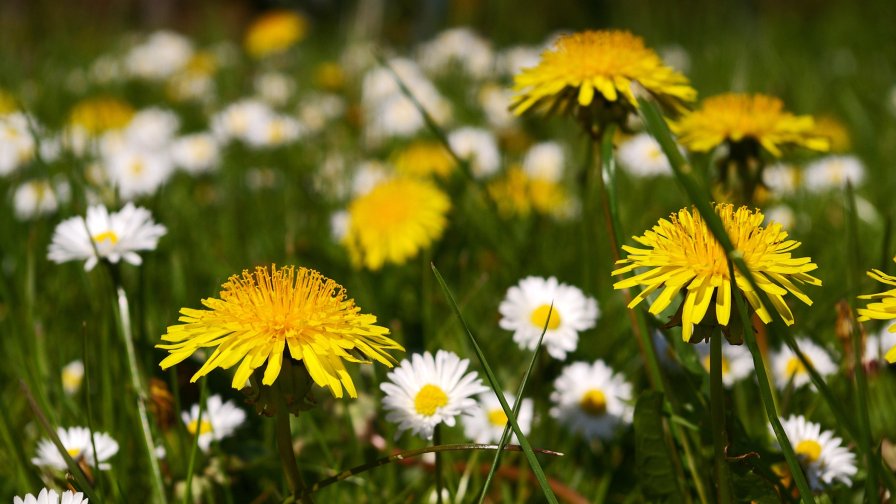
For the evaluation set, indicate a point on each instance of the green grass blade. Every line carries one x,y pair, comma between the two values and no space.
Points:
194,446
499,392
505,436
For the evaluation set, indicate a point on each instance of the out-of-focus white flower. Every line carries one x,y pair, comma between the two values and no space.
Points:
160,56
737,362
487,421
196,153
152,128
106,69
274,130
877,345
339,222
832,172
781,178
16,142
782,214
51,497
525,309
642,156
479,148
367,175
592,400
317,109
138,172
495,102
513,60
103,235
72,376
276,88
39,197
219,420
238,118
458,46
676,57
426,391
788,368
77,442
545,161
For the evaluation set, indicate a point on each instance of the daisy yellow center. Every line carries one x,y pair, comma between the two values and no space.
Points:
137,167
71,380
429,399
74,452
795,367
593,402
809,449
203,428
540,316
277,132
497,417
267,315
681,254
106,236
726,367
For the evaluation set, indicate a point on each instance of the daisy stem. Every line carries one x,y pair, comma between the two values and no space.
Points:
194,446
123,312
437,440
717,406
283,434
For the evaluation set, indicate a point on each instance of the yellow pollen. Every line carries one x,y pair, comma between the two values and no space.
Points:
795,367
109,236
204,428
809,449
430,399
540,316
497,417
594,402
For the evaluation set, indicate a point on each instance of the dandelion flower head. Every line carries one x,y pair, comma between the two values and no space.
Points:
882,307
681,254
262,314
275,32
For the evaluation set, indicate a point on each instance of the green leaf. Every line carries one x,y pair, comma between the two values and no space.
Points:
653,459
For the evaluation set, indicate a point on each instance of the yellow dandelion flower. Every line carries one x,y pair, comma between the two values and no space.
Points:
274,32
394,221
516,193
424,159
262,314
98,115
884,307
738,118
329,75
682,254
605,63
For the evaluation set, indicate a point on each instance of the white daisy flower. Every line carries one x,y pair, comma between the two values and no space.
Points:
236,120
737,362
273,130
642,156
425,391
395,116
513,60
495,102
152,128
832,172
339,222
525,308
137,172
72,376
822,455
113,237
16,142
461,47
39,197
787,367
196,153
317,109
781,178
545,161
486,422
51,497
367,175
219,420
479,147
782,214
592,400
676,57
77,442
160,56
275,88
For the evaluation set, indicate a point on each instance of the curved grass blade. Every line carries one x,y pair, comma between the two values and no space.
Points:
499,392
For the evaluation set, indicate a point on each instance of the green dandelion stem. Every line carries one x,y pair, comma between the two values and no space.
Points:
398,457
283,435
123,317
194,446
717,406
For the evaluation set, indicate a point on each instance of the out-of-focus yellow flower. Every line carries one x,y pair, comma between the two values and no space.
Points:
7,103
424,159
275,32
602,64
516,193
98,115
681,254
835,131
736,118
394,221
329,75
266,315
